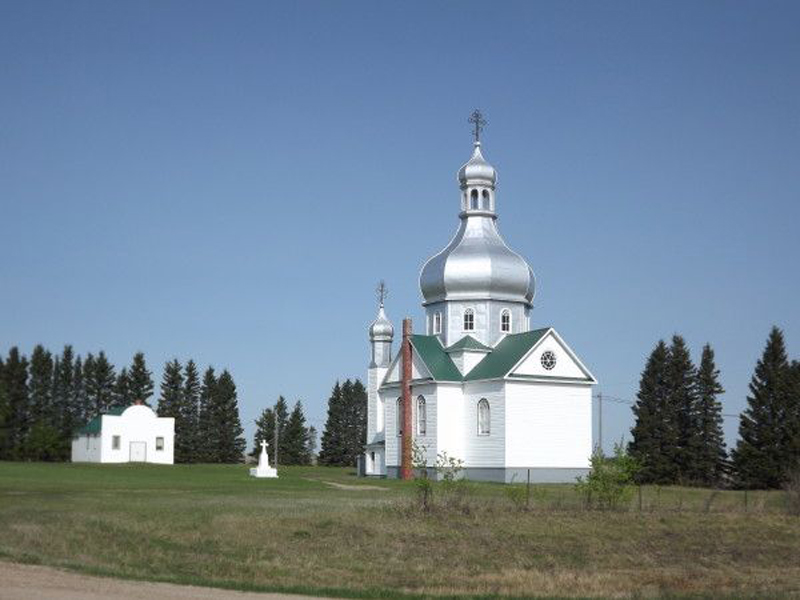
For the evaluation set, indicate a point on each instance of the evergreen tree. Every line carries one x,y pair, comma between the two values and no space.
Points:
15,375
206,430
711,459
358,420
40,386
141,380
80,401
311,442
122,389
762,455
332,443
230,443
189,441
681,375
5,411
169,403
295,438
99,381
281,411
265,431
654,433
64,395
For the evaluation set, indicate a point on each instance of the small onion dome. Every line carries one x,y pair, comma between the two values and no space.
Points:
477,171
381,329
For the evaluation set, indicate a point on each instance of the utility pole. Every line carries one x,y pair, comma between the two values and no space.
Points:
600,420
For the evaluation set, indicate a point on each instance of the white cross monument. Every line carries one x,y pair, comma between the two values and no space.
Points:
263,469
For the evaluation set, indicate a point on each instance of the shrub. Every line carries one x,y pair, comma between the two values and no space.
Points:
610,482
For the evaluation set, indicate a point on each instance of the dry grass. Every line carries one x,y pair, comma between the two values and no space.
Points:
213,525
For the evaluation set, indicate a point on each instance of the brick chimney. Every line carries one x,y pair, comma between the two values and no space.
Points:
406,468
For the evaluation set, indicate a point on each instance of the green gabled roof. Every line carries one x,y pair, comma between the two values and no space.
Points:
505,355
93,426
468,343
432,353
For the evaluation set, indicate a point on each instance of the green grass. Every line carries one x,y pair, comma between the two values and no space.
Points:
214,525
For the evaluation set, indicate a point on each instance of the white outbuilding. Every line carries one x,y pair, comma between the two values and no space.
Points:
126,434
485,387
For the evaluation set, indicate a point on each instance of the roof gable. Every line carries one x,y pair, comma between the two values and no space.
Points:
567,365
505,355
468,343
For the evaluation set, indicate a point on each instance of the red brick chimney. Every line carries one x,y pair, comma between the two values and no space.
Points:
406,469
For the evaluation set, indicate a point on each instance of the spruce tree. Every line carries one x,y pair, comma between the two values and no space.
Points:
711,459
15,374
122,389
654,429
40,386
682,399
99,380
190,413
358,420
281,411
760,456
171,391
5,411
265,431
64,394
332,443
141,380
80,401
295,438
230,443
206,430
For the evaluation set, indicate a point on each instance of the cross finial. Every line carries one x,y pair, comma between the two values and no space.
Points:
264,445
476,118
382,292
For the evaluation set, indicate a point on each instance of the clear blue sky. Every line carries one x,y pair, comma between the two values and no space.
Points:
228,181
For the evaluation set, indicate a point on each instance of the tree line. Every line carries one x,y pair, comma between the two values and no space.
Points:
44,399
343,437
677,437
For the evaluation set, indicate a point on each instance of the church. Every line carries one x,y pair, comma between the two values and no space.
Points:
480,385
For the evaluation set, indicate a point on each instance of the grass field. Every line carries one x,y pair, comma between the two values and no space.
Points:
324,531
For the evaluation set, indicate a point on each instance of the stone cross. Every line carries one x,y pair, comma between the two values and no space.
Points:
264,446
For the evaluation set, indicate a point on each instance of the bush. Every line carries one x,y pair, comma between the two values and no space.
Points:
610,481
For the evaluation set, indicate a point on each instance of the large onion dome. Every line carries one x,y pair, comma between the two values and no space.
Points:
477,264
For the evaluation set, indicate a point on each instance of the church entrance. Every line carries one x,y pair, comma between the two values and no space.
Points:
138,452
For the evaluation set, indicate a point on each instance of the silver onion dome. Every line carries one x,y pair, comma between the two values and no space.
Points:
476,170
381,329
477,264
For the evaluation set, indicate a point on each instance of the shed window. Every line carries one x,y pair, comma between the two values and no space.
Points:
422,417
115,442
159,443
469,320
484,417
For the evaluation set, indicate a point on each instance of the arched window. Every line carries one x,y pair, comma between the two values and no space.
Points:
437,323
484,417
474,200
486,203
422,417
505,321
399,417
469,320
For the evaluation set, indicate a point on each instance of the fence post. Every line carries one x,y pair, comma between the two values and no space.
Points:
528,492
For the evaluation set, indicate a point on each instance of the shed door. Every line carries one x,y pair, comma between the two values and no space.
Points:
138,451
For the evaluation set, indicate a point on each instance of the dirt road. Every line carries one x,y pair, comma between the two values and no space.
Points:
29,582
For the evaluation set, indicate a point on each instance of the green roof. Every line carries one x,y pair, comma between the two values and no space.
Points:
505,355
93,426
439,363
468,343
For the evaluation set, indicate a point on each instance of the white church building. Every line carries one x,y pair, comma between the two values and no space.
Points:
486,388
126,434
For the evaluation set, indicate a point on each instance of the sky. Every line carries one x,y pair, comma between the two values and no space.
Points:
228,181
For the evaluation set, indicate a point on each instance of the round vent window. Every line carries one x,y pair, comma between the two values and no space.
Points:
548,359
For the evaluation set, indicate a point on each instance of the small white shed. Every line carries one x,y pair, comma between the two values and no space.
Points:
126,434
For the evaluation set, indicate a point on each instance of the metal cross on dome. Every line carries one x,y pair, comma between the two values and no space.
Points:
476,118
382,291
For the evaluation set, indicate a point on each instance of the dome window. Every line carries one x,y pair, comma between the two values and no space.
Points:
437,323
486,202
474,200
505,321
469,320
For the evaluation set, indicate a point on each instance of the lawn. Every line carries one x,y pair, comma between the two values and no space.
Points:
323,531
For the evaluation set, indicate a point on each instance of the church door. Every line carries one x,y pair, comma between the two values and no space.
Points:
138,452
